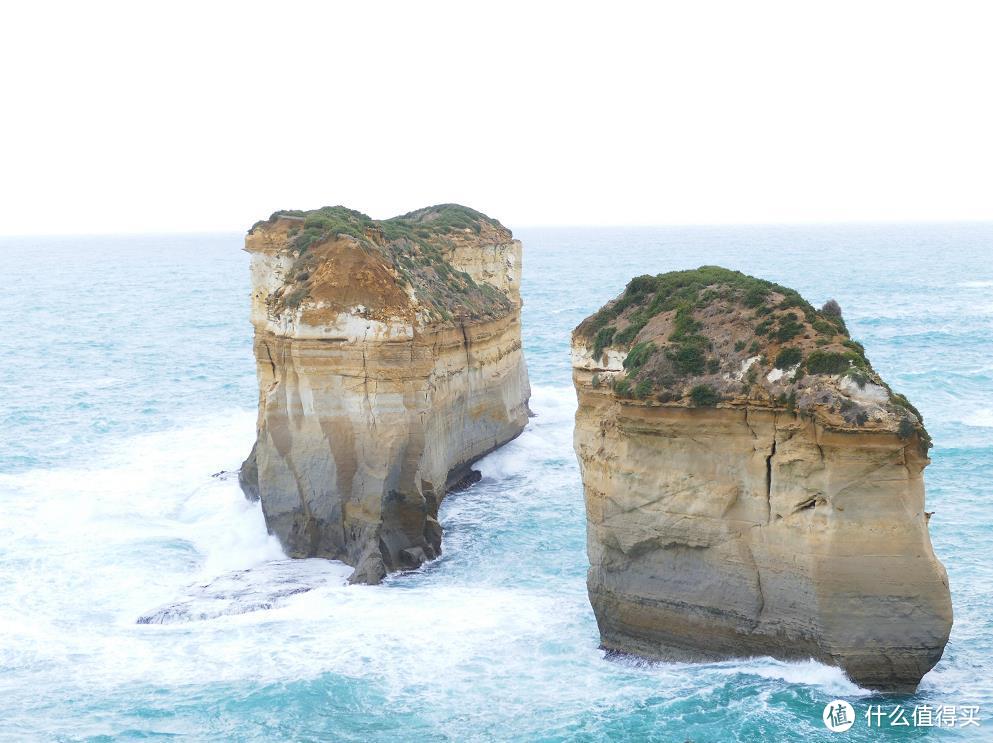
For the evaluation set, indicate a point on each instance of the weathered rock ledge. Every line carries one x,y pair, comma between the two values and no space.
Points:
389,360
752,486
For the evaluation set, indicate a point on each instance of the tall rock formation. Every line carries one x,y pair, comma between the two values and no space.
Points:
389,360
753,487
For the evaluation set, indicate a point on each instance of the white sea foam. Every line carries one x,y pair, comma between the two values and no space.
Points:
982,418
979,284
828,679
103,544
153,486
547,437
145,526
93,546
811,673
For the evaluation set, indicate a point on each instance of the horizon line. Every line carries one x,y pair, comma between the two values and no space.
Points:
563,225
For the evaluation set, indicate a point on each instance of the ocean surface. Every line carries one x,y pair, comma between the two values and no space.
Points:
141,597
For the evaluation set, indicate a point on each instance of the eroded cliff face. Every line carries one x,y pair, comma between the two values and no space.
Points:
389,360
752,486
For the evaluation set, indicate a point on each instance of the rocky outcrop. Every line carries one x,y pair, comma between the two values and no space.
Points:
389,360
753,487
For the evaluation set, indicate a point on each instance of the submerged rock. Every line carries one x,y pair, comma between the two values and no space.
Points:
389,360
267,586
753,486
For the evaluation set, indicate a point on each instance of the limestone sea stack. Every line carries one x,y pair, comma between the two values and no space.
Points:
753,487
389,360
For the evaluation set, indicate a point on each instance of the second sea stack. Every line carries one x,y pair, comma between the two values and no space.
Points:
389,360
753,486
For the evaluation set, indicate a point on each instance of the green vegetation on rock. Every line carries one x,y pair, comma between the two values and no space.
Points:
690,335
788,357
832,362
414,245
637,356
603,339
704,396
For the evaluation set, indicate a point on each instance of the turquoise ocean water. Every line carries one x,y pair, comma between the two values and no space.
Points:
128,383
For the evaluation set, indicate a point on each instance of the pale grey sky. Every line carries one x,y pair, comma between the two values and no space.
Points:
173,116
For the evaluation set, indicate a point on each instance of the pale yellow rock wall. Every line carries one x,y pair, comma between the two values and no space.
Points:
722,532
365,423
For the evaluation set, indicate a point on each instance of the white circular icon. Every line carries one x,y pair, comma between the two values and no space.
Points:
839,715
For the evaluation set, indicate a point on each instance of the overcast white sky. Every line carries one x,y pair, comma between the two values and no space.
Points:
175,116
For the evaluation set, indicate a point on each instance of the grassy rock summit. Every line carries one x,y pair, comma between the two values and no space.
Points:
753,486
389,360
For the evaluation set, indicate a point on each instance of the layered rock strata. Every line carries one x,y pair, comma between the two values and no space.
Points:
389,360
753,487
